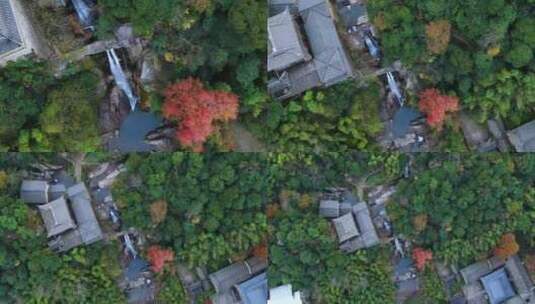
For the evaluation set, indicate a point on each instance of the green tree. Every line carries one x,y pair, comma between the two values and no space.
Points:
469,201
343,117
520,55
69,120
304,253
509,94
23,88
215,202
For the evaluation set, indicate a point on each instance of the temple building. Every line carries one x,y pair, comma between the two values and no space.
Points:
304,49
14,32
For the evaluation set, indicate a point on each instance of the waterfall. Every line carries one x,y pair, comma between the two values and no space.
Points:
372,47
394,88
84,12
120,78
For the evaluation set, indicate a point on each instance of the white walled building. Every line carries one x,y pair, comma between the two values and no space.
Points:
284,295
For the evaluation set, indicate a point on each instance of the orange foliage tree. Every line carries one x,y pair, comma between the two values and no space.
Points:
419,222
272,210
507,246
438,36
421,257
261,250
197,109
435,106
159,256
158,211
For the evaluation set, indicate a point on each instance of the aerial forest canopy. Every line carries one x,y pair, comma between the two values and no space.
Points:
204,210
483,51
214,203
41,112
459,206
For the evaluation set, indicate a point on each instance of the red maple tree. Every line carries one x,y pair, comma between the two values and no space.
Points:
158,256
197,109
421,257
435,106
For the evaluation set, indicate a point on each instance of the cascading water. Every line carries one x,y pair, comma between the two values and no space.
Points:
120,78
394,88
84,12
372,47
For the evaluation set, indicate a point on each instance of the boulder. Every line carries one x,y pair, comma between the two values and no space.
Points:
125,32
163,132
474,133
496,128
162,144
113,111
102,86
150,69
126,36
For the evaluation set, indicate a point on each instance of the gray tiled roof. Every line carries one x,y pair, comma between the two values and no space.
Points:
226,278
254,290
34,191
346,227
329,64
66,241
365,224
278,6
56,191
490,281
353,15
329,208
83,212
345,208
56,217
294,81
515,300
303,77
279,87
78,190
350,198
329,56
367,234
285,44
497,286
520,277
9,34
474,293
227,297
523,137
473,272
